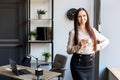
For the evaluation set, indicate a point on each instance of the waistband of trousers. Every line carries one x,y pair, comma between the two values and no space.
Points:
82,54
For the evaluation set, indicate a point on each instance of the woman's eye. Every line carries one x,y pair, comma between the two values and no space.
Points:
84,15
79,16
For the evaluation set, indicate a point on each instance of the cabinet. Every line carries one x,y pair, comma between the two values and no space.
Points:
42,26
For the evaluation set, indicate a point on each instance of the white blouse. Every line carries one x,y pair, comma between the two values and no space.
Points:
88,49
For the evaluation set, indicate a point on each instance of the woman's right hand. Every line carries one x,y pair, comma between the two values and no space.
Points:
83,43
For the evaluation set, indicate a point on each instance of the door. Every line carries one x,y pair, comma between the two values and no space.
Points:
13,18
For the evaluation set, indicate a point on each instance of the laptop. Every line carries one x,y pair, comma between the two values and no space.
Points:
15,69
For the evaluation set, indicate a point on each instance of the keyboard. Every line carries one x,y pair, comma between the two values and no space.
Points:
23,71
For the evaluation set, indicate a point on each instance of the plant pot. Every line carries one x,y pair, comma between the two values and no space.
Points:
33,38
46,59
40,16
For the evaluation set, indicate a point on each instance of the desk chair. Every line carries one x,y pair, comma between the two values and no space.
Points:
59,64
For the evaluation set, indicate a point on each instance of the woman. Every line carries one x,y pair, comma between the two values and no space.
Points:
83,44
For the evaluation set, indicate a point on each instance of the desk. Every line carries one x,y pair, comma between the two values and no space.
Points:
114,73
47,75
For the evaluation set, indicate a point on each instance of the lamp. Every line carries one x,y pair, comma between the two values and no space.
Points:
38,72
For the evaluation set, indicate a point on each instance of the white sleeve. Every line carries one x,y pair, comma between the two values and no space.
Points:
103,41
71,47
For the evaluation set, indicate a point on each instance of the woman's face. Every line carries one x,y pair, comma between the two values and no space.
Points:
82,17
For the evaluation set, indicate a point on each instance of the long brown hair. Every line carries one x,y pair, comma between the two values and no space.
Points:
87,26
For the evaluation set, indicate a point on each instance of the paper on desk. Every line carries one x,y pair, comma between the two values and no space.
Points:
9,69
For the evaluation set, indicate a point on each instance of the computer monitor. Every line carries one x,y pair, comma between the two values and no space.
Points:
14,68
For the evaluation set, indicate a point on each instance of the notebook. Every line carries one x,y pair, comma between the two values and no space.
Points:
15,69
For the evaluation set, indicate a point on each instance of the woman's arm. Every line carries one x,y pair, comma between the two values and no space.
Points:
71,47
103,41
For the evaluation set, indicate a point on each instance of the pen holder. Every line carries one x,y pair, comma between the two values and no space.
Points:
39,72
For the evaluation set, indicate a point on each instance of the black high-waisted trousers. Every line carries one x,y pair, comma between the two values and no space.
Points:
82,66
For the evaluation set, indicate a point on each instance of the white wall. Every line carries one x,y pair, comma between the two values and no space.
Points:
62,25
110,18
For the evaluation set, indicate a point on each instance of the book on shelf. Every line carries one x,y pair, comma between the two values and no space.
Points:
43,33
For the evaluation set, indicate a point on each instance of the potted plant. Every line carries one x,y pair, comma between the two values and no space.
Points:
46,55
41,12
32,35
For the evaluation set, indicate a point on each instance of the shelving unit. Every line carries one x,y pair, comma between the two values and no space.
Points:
43,27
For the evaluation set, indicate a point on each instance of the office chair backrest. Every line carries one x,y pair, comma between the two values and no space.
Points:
59,61
59,64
